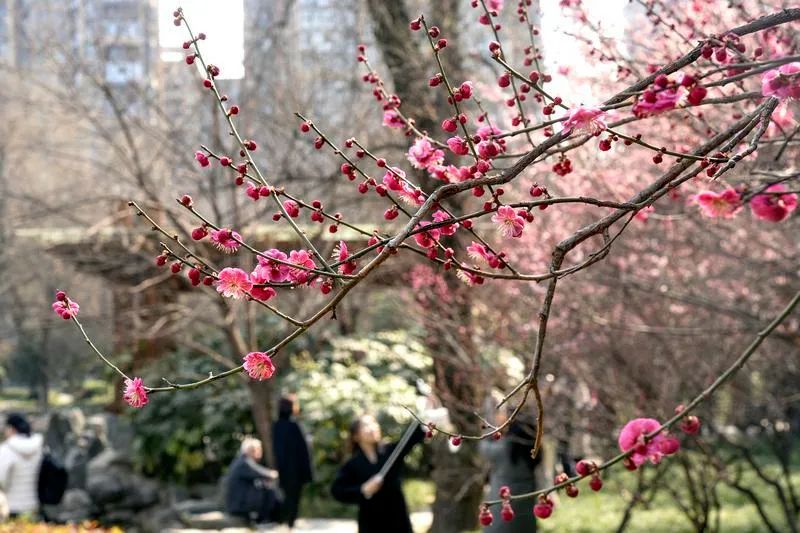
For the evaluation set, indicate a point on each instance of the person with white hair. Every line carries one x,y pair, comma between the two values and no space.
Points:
250,491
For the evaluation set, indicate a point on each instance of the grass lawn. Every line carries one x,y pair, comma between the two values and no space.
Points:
596,512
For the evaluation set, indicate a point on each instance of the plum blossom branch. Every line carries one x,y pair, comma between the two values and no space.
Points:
94,348
245,146
700,398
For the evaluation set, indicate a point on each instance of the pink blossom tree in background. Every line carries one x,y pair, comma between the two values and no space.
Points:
647,233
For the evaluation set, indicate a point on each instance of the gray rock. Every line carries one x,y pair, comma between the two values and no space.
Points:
140,493
118,517
106,488
111,483
114,431
195,506
156,520
122,489
106,460
74,508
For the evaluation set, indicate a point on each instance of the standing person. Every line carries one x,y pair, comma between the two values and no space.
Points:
381,504
511,465
20,459
249,491
292,457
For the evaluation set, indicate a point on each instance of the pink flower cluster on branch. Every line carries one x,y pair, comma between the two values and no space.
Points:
64,307
775,204
783,82
135,393
724,204
633,437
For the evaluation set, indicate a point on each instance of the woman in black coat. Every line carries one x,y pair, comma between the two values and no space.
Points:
381,505
292,457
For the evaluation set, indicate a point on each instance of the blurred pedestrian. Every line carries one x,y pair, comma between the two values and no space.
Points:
381,504
20,458
511,465
251,488
292,457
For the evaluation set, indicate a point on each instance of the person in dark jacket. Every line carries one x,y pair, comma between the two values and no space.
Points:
292,457
381,505
249,491
512,465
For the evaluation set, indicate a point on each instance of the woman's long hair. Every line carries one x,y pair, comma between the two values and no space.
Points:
355,427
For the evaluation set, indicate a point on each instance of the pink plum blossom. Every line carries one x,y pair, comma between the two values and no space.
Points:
724,204
253,192
773,207
201,158
644,213
632,437
781,121
393,179
487,132
450,173
392,119
226,240
665,100
465,90
441,216
489,149
424,155
259,365
273,271
291,208
783,82
260,276
583,119
510,223
135,393
478,251
66,309
233,283
302,258
411,195
491,5
340,255
458,145
469,278
427,239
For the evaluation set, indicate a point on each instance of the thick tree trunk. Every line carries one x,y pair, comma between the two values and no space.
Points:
261,405
459,487
458,476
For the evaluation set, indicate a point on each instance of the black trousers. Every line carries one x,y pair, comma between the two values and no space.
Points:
291,503
262,503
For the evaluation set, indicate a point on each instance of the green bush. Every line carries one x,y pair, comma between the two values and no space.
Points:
191,436
355,375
